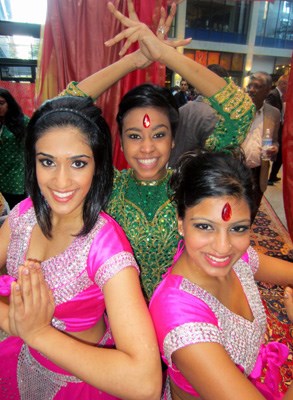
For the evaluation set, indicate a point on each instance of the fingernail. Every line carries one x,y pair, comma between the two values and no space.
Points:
25,271
17,287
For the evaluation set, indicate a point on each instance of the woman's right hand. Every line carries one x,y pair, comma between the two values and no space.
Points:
31,303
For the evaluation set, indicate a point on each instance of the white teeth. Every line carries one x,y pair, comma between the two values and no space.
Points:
218,259
63,195
147,161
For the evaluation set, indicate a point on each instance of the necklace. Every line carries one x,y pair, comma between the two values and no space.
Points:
148,183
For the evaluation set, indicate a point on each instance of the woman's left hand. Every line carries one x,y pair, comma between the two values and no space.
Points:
31,303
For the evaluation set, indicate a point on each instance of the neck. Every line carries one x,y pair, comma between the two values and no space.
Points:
149,182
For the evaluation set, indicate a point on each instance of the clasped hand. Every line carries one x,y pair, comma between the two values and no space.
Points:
31,303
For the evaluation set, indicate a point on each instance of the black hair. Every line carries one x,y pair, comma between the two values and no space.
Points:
219,70
14,118
200,175
149,95
82,114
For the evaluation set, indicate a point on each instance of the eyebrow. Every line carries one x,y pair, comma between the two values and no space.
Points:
70,158
213,222
154,128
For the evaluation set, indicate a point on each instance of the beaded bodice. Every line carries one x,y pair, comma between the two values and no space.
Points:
149,220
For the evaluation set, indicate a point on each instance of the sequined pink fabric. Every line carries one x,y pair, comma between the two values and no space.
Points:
184,314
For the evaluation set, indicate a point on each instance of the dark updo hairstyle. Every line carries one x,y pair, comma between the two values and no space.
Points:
14,118
149,95
82,114
200,175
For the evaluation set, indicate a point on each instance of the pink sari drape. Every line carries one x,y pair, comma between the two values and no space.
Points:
73,48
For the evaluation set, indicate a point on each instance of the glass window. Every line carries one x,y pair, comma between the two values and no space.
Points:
217,20
275,24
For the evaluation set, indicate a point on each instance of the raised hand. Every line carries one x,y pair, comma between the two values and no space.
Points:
31,303
137,31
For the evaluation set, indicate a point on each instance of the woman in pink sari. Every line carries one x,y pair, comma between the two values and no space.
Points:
100,331
207,311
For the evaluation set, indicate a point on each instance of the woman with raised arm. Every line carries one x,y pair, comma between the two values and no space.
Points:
147,120
207,310
101,331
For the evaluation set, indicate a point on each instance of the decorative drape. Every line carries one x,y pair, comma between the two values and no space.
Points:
73,48
23,93
288,155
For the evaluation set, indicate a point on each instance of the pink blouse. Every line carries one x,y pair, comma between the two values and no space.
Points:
184,314
76,276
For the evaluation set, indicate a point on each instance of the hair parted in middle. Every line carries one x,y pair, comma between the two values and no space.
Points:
81,113
200,175
149,95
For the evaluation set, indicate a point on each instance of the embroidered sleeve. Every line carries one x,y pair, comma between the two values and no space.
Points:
73,90
110,252
235,111
187,334
114,265
253,259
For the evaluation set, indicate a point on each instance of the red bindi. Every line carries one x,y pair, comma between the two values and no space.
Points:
146,121
226,212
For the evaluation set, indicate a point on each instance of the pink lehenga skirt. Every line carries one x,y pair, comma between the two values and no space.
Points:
27,375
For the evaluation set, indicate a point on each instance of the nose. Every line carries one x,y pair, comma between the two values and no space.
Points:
147,145
222,243
62,177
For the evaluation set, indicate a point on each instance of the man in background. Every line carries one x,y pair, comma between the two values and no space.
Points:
197,121
276,98
181,97
266,117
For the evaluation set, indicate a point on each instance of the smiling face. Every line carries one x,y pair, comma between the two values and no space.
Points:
147,146
213,245
65,167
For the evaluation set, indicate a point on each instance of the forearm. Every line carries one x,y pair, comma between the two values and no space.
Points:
110,370
96,84
204,80
273,270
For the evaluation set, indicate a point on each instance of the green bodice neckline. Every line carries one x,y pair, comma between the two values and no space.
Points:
148,196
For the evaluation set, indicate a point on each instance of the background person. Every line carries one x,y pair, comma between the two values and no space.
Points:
182,96
277,98
266,117
12,132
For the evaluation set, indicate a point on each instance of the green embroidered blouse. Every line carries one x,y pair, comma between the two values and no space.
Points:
149,220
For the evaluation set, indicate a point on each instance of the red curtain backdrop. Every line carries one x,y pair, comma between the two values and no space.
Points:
73,48
23,94
288,155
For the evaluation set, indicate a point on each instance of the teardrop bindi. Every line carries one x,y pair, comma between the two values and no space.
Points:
226,212
146,121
